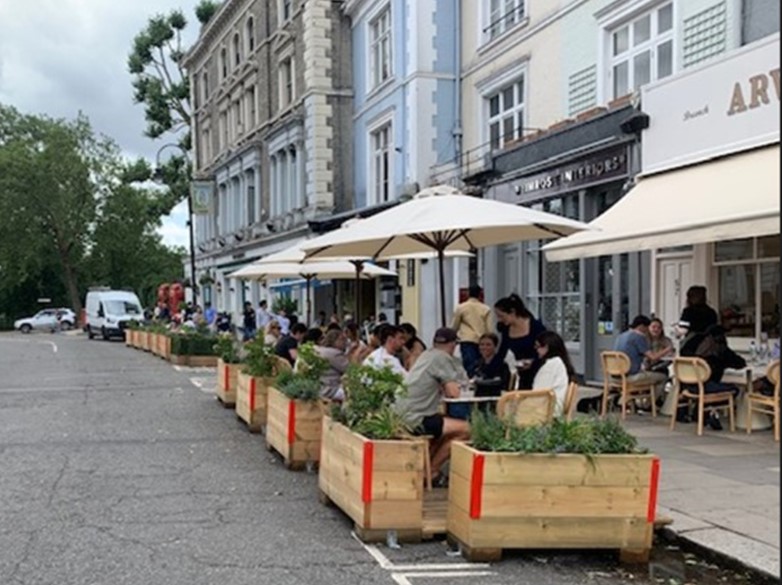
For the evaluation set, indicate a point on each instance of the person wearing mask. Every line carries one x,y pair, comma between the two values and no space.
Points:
248,331
391,341
272,333
333,351
697,316
712,347
635,344
413,346
262,316
471,319
556,370
518,329
288,346
436,374
660,347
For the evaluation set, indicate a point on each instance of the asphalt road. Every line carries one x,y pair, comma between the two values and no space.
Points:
116,468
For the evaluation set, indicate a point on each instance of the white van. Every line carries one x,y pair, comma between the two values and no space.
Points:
108,312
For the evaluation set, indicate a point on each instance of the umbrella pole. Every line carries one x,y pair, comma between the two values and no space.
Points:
309,299
441,262
358,266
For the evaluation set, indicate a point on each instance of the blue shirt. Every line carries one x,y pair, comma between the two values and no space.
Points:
210,315
635,345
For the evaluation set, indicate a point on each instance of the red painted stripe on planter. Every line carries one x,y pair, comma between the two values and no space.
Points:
291,422
252,394
476,486
654,482
366,486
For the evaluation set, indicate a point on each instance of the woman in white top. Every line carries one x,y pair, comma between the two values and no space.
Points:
556,370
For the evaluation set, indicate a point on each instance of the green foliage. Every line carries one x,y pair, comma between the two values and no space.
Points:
297,386
286,304
192,344
227,348
309,364
586,436
205,10
260,361
368,407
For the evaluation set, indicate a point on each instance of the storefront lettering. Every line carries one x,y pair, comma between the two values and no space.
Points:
758,92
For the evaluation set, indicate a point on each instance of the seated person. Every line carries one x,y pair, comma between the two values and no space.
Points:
635,344
413,346
313,335
712,346
435,374
488,369
333,351
556,370
391,341
660,347
288,346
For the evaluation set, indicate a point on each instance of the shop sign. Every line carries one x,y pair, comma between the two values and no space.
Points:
201,193
598,168
723,107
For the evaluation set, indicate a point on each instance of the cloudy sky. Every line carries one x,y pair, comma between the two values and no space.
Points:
59,57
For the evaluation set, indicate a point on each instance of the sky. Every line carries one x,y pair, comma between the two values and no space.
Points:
60,57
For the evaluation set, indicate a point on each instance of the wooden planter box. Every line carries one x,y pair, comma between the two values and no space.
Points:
251,406
226,381
502,501
165,346
146,340
129,337
154,343
293,429
378,484
179,359
202,361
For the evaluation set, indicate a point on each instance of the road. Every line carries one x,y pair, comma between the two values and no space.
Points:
117,468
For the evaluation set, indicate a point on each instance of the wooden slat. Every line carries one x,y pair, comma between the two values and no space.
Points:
510,501
392,514
459,492
397,485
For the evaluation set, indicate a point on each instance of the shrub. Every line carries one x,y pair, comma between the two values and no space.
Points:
227,349
309,364
297,387
260,360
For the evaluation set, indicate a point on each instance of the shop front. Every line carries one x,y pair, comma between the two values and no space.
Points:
707,201
579,172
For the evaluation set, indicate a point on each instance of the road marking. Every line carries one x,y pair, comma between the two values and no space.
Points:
404,578
54,345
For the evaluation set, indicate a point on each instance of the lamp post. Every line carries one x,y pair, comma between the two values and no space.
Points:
157,177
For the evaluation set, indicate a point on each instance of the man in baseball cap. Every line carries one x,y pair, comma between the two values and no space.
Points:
435,374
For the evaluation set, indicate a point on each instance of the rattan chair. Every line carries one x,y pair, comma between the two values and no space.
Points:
763,403
616,364
695,371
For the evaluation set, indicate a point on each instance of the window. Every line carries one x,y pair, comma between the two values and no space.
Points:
380,143
223,130
286,83
224,62
380,47
252,118
237,50
287,185
641,51
206,154
506,114
238,117
205,86
747,274
502,16
249,181
286,10
250,35
759,18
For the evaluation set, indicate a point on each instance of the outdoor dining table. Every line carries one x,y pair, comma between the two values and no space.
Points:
743,378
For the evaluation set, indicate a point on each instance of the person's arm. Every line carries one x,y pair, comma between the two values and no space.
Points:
457,318
487,321
451,389
733,360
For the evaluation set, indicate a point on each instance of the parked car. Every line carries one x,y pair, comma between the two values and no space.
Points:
46,320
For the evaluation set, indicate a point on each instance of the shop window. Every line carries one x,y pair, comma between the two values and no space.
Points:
747,275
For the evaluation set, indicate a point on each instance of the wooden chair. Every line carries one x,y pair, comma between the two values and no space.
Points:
766,404
694,371
527,407
513,381
616,364
571,398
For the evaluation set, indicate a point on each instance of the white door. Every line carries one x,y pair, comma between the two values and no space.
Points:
675,278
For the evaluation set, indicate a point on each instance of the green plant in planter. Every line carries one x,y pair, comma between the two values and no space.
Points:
134,325
309,364
297,386
585,436
368,408
286,304
227,349
260,360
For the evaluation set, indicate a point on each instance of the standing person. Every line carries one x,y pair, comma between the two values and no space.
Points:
288,346
262,316
391,341
697,316
436,374
635,344
210,314
518,329
471,320
556,370
248,330
285,323
322,323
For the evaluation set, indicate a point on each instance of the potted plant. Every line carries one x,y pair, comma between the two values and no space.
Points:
260,367
295,410
131,334
567,484
370,466
228,365
193,347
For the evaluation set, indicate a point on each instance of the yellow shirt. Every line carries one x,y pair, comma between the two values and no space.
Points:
471,319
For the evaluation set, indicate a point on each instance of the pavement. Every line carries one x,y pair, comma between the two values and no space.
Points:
721,489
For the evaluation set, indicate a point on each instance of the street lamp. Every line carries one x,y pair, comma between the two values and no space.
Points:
157,176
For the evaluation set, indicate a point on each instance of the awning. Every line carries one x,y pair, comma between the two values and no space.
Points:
727,198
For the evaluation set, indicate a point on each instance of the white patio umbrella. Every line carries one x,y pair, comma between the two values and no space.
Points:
323,270
439,219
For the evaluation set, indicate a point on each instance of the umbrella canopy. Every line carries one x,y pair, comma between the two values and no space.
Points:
439,219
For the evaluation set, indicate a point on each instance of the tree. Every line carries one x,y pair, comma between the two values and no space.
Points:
206,10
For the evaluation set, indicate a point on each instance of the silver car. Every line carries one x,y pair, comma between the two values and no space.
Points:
47,320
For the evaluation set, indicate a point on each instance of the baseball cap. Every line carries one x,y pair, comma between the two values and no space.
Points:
445,335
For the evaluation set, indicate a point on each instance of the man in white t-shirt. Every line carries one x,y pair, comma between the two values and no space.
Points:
262,317
392,339
285,323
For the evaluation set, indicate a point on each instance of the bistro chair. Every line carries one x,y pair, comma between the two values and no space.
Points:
763,403
616,364
513,381
571,399
525,408
690,374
